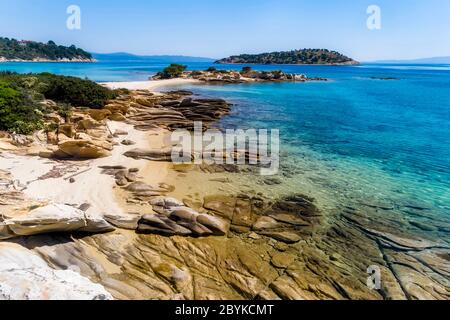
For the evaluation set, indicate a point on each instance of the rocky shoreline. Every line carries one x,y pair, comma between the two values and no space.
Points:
168,240
247,75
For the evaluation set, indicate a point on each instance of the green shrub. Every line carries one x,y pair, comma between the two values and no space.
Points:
211,69
18,113
172,71
75,91
246,69
21,96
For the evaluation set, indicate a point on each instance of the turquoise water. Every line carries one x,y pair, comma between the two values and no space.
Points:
367,140
353,138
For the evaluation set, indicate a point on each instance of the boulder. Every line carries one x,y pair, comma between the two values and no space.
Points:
264,223
26,276
52,218
99,114
68,130
160,224
121,182
120,133
151,154
217,225
83,149
124,221
172,215
165,205
139,187
283,236
128,142
117,117
20,140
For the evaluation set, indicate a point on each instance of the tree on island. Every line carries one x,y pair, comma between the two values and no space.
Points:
173,71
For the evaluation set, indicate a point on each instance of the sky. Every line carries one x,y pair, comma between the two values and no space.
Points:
215,28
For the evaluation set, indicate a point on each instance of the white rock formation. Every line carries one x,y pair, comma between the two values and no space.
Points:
26,276
52,218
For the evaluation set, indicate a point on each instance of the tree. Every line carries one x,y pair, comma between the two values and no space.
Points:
173,71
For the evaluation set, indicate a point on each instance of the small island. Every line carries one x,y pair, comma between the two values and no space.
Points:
246,75
303,56
12,50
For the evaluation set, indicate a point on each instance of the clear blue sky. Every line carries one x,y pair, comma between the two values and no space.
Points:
213,28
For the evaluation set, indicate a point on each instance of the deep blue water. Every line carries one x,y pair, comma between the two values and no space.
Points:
369,138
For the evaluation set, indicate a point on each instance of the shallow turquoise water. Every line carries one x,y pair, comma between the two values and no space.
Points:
370,140
364,139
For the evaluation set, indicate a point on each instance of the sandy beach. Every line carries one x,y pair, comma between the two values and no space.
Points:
148,85
91,186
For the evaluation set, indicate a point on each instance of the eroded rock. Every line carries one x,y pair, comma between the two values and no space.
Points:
51,218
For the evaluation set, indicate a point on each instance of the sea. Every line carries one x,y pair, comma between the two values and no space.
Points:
374,135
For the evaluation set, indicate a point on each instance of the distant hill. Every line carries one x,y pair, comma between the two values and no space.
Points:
163,58
434,60
304,56
21,50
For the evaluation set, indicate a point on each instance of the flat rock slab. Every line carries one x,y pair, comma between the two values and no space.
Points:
26,276
52,218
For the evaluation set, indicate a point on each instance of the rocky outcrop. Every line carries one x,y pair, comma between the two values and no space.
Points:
171,110
83,149
247,75
48,219
174,218
26,276
151,154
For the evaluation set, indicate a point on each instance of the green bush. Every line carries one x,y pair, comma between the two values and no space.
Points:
172,71
21,96
211,69
75,91
246,69
18,113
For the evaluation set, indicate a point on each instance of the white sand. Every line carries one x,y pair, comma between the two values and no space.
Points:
91,186
148,85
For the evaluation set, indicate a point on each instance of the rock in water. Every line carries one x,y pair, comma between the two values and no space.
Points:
26,276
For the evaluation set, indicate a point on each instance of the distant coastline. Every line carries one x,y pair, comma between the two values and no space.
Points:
39,60
293,57
355,63
12,50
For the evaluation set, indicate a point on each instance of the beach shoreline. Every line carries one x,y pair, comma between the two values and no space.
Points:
285,231
150,85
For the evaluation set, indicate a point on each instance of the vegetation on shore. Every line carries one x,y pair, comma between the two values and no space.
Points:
12,49
22,98
304,56
173,71
246,75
